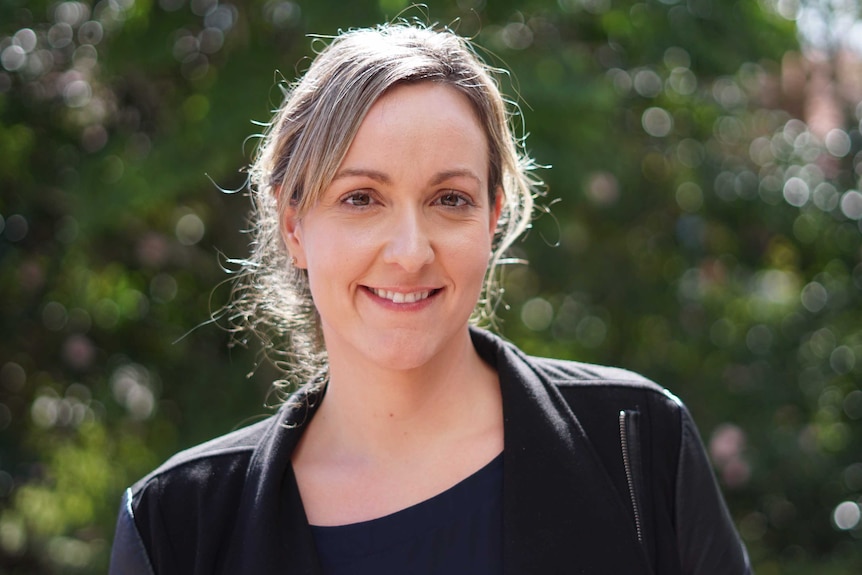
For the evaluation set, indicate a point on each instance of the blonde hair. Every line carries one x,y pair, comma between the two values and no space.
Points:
305,144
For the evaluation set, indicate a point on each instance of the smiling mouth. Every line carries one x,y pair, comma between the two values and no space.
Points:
400,297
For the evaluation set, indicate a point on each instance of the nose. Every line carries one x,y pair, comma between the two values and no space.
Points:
408,244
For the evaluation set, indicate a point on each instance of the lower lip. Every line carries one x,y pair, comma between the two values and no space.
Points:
413,306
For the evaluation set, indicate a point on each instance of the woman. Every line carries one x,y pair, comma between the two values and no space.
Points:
386,191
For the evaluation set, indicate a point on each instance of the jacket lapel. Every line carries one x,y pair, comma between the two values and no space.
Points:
272,534
561,513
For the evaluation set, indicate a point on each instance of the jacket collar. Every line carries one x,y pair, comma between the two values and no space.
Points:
272,531
561,513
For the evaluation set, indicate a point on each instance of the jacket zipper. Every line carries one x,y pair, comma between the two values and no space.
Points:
628,465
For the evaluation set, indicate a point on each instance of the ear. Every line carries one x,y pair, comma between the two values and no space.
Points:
496,210
291,233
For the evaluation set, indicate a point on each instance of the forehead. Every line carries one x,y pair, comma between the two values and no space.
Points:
419,122
427,98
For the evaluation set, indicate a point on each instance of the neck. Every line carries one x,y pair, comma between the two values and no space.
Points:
374,413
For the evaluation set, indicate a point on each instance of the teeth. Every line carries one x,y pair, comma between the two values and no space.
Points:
398,297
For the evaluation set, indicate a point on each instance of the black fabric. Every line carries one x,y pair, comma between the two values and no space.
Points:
129,553
701,550
457,532
598,407
232,506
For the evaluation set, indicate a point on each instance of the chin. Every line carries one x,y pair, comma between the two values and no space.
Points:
398,348
408,349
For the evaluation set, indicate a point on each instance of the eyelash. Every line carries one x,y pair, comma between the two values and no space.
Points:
461,199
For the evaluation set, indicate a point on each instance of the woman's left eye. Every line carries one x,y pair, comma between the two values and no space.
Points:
453,200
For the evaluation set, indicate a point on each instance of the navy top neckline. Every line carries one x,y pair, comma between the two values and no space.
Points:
456,531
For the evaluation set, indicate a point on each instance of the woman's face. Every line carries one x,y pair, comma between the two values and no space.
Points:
397,246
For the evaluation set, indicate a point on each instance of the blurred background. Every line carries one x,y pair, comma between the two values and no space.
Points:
703,229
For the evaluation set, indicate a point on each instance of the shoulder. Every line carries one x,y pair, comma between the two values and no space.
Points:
574,377
218,458
180,495
223,463
599,395
182,517
189,502
571,378
566,373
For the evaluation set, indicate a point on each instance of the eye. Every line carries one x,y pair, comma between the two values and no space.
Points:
358,199
453,199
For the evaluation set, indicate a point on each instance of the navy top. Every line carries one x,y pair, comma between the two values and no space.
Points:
459,531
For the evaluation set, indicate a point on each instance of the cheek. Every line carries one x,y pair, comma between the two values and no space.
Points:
335,254
318,254
471,252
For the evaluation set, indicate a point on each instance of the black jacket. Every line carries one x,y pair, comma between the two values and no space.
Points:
604,473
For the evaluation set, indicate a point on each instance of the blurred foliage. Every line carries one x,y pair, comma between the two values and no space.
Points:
704,236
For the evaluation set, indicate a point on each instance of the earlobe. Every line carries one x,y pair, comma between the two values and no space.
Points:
291,233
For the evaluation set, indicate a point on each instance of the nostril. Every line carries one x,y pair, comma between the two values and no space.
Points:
409,247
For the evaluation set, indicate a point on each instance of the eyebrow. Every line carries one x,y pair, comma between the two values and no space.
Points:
361,172
384,179
449,174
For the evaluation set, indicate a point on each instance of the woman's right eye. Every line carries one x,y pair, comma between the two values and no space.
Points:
358,199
